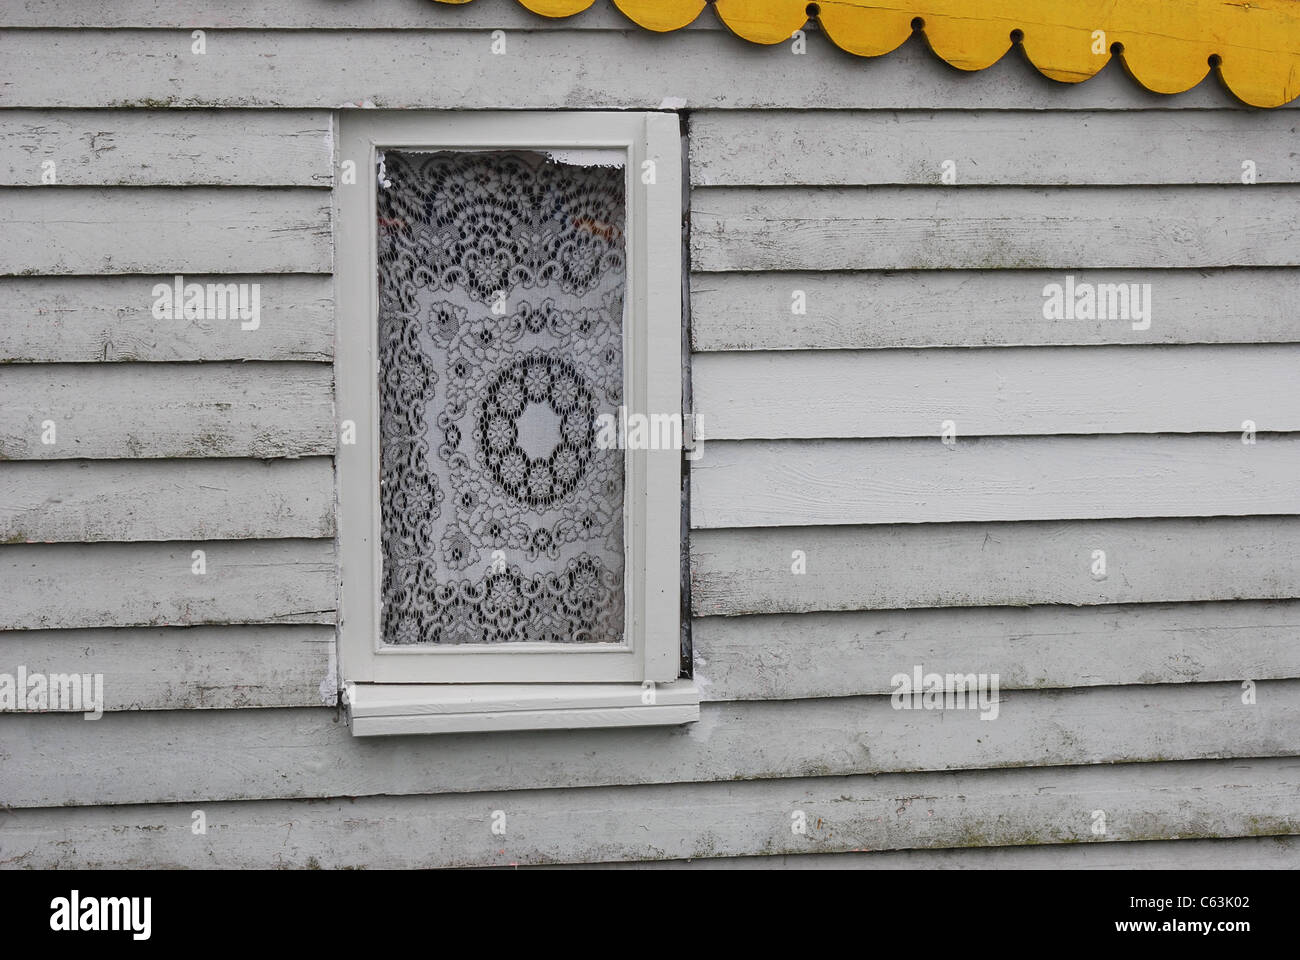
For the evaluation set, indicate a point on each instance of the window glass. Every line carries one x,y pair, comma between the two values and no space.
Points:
501,286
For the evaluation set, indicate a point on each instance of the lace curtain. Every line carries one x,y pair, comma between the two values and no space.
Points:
501,283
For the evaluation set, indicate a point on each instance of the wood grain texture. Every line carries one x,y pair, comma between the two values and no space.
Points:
993,564
122,500
149,148
110,319
797,695
904,228
1164,49
317,15
114,411
1236,853
201,668
940,308
545,68
69,586
804,483
892,812
280,754
844,654
1005,147
67,230
997,392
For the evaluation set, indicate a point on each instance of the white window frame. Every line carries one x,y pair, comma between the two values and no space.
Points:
519,685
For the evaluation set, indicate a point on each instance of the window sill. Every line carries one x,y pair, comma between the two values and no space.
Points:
391,709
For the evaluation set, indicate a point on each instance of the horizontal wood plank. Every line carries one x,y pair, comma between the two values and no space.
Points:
845,654
69,586
681,821
318,14
1006,147
904,228
299,753
804,483
123,500
149,148
110,319
964,308
114,411
543,69
1236,853
993,564
997,392
201,668
89,230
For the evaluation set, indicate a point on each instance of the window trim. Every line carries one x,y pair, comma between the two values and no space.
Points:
653,384
390,709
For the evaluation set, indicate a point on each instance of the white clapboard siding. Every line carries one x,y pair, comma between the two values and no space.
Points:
1028,390
152,147
166,410
680,821
279,754
902,228
803,483
844,654
201,668
68,586
544,68
1235,853
318,14
993,564
1007,147
110,319
93,500
89,230
960,308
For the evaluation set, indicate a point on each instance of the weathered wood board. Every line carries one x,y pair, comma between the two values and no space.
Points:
788,656
804,483
70,585
907,566
999,808
197,668
71,230
153,147
136,410
973,308
110,319
1028,390
278,754
87,501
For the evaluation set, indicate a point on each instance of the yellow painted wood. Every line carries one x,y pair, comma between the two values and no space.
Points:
762,21
555,8
1167,45
661,15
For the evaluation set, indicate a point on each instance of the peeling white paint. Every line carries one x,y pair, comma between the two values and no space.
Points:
672,103
329,687
588,157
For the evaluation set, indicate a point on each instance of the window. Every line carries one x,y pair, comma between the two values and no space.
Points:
509,293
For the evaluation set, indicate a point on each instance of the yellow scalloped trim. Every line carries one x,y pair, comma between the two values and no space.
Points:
1166,44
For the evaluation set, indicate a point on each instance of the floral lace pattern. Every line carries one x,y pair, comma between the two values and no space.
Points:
500,344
